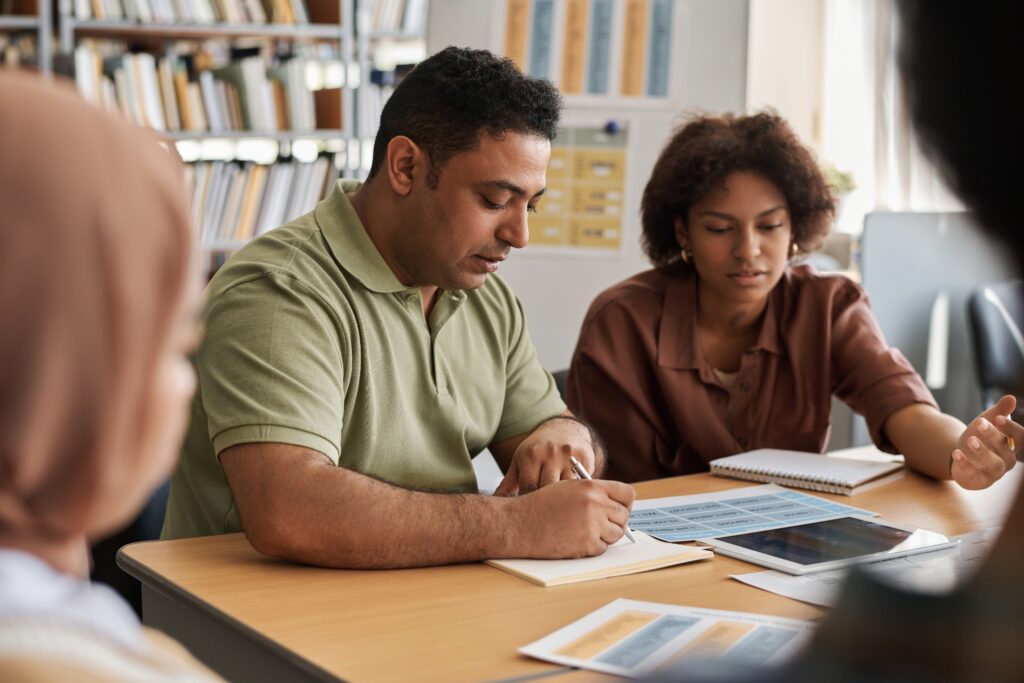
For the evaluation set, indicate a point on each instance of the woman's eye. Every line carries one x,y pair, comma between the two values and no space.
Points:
772,226
717,229
492,206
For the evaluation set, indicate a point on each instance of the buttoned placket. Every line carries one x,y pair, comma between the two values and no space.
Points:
444,310
445,307
740,397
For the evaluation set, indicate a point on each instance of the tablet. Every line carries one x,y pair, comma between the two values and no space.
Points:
833,543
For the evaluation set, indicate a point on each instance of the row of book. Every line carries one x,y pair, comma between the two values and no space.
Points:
375,94
406,16
17,50
209,11
170,94
392,16
232,202
372,99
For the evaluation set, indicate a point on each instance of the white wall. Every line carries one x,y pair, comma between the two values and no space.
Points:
785,61
709,73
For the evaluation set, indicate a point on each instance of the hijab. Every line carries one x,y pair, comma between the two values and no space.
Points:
94,257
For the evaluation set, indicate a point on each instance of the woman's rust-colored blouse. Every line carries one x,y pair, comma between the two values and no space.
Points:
641,379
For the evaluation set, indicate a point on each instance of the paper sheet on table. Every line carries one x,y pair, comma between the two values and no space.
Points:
632,638
623,557
935,572
735,511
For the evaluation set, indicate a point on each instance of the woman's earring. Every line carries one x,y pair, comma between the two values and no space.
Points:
794,250
685,254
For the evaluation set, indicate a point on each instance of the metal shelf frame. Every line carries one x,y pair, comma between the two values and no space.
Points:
276,135
71,27
41,23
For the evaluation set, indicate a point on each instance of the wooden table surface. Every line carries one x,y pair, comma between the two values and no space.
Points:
464,622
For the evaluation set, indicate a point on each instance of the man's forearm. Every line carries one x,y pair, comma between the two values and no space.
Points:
296,504
350,520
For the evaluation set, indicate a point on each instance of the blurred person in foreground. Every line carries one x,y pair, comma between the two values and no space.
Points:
959,74
98,302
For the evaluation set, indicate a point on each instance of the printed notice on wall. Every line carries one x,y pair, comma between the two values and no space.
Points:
593,48
585,199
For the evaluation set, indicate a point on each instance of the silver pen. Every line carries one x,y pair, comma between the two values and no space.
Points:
582,473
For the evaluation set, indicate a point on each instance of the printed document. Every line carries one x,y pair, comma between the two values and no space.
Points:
632,638
736,511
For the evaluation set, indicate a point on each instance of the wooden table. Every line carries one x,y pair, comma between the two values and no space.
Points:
254,618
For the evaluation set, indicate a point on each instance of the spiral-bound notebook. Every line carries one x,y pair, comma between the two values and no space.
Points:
812,471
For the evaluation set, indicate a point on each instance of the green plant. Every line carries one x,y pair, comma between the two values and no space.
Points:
842,182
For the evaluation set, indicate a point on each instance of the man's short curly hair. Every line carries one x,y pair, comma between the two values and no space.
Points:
454,96
707,150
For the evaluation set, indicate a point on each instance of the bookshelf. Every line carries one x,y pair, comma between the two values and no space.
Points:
28,17
242,88
124,55
257,22
390,37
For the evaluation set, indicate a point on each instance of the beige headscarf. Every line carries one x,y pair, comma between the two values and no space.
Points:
94,256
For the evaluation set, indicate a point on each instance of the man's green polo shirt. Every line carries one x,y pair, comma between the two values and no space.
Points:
312,341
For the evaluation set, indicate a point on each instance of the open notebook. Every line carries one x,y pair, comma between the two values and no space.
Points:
622,558
828,473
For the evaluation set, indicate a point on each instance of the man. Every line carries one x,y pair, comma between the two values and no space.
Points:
357,358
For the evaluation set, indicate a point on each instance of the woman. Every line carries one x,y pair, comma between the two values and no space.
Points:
97,300
729,345
879,632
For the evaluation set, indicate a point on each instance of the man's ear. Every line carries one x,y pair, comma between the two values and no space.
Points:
404,159
681,236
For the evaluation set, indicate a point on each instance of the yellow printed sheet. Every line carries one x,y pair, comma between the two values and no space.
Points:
632,638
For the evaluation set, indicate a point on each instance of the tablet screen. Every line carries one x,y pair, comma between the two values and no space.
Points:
834,539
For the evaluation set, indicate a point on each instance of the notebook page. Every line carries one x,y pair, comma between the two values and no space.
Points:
620,559
808,466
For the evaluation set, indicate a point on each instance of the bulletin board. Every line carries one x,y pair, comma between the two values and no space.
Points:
586,189
617,49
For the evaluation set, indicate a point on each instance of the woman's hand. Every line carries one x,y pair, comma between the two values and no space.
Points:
988,448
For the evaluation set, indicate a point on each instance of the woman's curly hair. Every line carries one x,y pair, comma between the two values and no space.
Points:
707,150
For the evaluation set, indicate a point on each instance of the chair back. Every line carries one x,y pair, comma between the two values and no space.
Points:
560,376
996,316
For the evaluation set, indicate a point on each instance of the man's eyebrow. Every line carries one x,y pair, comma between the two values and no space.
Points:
513,188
